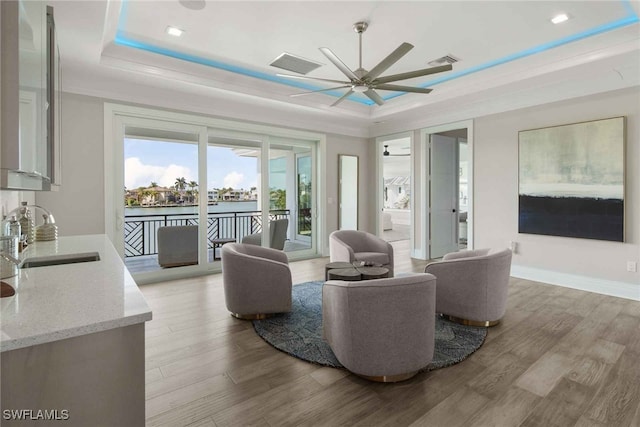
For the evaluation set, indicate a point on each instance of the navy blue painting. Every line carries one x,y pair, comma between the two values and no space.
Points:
571,180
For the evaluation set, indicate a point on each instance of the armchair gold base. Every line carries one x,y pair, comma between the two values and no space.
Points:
258,316
487,323
389,378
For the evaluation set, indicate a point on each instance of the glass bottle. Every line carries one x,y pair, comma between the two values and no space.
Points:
14,227
27,223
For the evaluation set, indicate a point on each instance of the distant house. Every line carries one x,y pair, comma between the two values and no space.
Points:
150,196
213,195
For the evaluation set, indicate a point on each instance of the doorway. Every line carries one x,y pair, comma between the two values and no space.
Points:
448,190
396,167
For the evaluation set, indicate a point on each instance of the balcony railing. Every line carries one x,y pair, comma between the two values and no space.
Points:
141,231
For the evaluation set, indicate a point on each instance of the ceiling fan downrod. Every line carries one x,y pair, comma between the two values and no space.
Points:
360,27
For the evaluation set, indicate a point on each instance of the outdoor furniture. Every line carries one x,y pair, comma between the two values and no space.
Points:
257,281
177,245
354,245
472,285
277,235
383,329
218,243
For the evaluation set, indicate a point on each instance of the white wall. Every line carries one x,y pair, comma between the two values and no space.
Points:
79,205
560,259
336,145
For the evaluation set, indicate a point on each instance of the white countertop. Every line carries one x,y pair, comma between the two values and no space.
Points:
64,301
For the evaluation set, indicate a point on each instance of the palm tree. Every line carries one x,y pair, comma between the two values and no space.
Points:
153,184
181,184
192,190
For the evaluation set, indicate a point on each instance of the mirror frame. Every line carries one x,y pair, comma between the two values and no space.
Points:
342,174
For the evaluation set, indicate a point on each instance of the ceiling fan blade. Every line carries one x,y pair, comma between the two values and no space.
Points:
316,91
403,88
338,63
374,96
412,74
291,76
389,60
342,98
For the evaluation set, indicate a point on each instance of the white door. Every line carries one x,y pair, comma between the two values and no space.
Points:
444,195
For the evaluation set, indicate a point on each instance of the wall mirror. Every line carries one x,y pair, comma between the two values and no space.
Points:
348,192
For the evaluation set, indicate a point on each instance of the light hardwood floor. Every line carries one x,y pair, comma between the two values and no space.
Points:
561,357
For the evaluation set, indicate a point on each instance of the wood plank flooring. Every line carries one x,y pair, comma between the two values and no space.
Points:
561,357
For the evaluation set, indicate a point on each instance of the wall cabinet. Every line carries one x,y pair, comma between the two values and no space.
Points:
30,143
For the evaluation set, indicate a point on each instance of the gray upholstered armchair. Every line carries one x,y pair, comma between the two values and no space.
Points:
277,235
177,245
257,281
354,245
382,329
473,285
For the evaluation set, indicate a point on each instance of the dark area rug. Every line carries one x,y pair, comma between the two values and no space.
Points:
299,333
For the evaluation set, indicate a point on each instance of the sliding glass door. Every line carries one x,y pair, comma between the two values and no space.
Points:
182,190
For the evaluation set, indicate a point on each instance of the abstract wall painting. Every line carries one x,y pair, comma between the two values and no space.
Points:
571,180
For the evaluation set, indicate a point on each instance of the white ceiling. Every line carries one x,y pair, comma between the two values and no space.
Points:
224,54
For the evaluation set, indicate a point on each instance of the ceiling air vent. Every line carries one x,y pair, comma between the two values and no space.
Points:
447,59
294,63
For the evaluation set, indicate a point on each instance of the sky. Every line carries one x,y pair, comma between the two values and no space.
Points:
163,162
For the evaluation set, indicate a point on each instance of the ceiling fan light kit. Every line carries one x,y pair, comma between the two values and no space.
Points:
367,82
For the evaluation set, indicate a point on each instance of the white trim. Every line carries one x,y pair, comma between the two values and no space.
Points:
422,252
320,202
573,281
203,201
264,187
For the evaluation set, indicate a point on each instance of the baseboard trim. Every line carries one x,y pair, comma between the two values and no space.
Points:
583,283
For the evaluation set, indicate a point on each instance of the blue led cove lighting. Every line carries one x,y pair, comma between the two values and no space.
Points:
123,40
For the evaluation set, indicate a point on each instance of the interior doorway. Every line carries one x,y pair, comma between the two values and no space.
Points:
449,192
447,222
396,188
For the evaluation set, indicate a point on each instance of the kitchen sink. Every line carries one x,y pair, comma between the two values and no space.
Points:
43,261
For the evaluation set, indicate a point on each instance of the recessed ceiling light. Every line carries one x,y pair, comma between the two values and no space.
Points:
174,31
560,18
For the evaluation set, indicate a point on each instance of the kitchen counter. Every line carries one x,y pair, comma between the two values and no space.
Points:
64,301
72,338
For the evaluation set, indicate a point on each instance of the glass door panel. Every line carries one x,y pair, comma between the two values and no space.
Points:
161,195
233,193
291,193
303,194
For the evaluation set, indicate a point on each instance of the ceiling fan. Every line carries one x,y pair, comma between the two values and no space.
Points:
386,153
366,82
